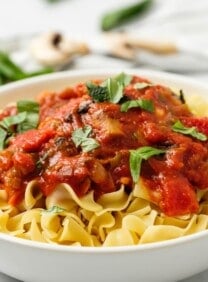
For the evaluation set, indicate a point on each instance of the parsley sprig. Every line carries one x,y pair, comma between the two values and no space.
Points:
192,131
137,156
81,138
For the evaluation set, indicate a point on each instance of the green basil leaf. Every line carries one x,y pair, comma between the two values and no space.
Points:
136,157
54,209
124,79
144,104
115,90
97,92
9,69
81,133
7,122
27,118
192,131
110,90
114,18
89,144
3,135
27,106
81,138
32,118
141,85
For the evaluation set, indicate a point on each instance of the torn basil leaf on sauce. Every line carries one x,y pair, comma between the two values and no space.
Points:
115,90
138,155
26,118
9,121
97,92
31,108
124,79
144,104
81,138
110,90
192,131
3,135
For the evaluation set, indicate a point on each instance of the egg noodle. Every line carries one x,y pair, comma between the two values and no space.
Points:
115,219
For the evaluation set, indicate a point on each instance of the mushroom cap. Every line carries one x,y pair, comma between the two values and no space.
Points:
53,49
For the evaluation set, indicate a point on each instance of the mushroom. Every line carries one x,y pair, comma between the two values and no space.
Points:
126,46
54,50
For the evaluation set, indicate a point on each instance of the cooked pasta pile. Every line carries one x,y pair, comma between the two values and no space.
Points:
117,217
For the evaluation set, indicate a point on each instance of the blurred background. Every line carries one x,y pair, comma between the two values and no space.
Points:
41,36
169,35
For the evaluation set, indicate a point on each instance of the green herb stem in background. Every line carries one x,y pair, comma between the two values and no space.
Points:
9,71
117,17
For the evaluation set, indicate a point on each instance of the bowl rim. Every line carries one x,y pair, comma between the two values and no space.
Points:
152,75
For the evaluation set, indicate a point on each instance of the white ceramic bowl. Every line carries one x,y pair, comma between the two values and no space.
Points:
164,261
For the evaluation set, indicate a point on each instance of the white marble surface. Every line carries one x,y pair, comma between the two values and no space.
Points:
182,21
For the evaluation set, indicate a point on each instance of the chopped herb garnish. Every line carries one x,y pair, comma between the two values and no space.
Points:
32,118
110,90
192,131
141,85
144,104
3,135
97,92
26,118
81,138
115,90
124,79
136,157
54,209
9,121
40,162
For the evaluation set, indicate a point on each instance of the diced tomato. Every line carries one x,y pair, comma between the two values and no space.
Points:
5,160
68,93
32,140
178,196
24,162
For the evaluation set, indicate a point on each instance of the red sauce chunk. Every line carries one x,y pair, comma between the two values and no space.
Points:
50,155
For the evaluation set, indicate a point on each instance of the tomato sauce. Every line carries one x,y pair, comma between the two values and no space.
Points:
49,155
